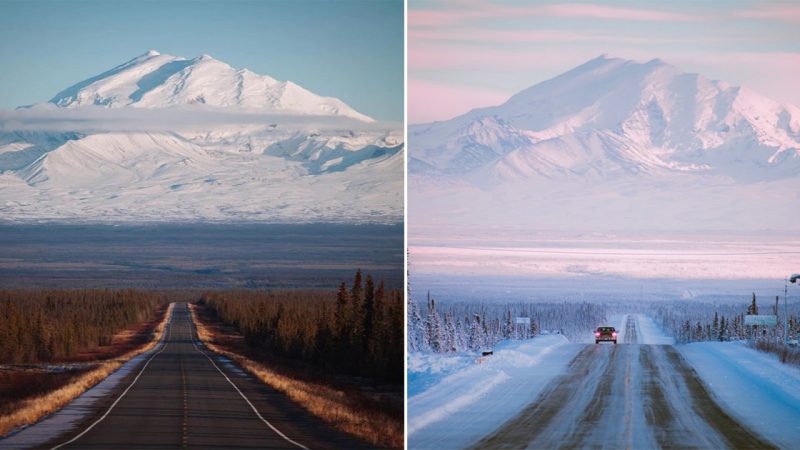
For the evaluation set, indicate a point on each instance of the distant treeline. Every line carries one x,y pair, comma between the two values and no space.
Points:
354,331
52,325
692,322
458,327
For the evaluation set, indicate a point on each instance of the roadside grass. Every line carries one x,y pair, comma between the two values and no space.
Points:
29,411
335,406
17,384
786,355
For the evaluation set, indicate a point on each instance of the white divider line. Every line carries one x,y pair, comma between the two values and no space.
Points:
240,392
168,337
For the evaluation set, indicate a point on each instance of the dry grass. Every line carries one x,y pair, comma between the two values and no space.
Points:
34,409
331,405
786,355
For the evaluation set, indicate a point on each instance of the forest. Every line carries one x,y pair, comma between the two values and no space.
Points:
456,327
473,326
353,330
692,322
39,326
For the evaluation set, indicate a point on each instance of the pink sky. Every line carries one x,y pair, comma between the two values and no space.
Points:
474,54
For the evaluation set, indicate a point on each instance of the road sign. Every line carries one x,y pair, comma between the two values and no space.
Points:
752,319
522,320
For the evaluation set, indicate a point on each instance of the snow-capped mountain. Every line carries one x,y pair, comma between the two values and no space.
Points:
331,164
154,80
615,136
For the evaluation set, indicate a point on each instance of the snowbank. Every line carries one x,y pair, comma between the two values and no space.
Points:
468,397
755,387
427,369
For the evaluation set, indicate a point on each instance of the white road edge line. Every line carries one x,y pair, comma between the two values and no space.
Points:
240,392
169,324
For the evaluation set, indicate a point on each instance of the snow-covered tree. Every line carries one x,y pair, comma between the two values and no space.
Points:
434,331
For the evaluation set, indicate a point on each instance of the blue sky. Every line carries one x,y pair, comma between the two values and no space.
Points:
479,52
352,50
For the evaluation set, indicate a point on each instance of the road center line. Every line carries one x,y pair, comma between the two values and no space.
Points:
191,325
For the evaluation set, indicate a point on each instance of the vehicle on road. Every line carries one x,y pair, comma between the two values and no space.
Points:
605,334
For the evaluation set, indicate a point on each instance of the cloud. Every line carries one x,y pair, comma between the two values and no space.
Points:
417,36
100,119
482,10
429,101
783,12
485,35
616,13
451,56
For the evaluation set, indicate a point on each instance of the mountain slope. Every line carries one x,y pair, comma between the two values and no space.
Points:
615,139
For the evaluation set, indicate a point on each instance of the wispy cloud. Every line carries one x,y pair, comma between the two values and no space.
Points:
616,13
427,57
784,12
419,35
481,10
99,119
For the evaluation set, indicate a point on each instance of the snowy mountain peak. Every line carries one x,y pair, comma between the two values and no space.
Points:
156,80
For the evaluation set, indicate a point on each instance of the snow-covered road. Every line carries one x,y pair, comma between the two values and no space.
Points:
624,396
642,393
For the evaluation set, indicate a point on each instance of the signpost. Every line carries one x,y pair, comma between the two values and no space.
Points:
523,327
769,321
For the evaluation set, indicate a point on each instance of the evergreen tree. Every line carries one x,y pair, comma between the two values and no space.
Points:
476,340
753,308
434,327
368,311
416,341
715,326
341,315
449,333
508,331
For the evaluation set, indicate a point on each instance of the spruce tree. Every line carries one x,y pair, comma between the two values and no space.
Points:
715,326
434,327
476,334
368,311
340,318
753,308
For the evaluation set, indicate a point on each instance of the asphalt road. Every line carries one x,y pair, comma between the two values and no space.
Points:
630,396
183,400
